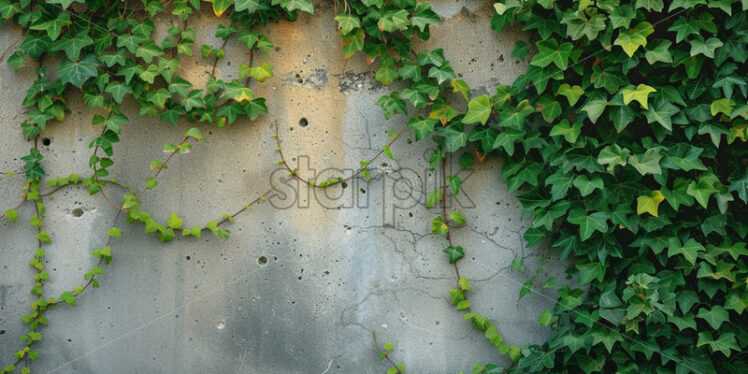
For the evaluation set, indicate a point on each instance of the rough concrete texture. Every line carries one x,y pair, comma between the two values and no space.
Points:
302,281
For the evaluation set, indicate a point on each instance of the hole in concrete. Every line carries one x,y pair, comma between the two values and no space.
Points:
303,122
2,332
77,212
220,325
46,141
188,258
262,261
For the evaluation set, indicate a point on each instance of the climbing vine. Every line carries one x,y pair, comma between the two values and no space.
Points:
625,140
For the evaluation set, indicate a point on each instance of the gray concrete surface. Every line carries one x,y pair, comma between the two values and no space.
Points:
336,268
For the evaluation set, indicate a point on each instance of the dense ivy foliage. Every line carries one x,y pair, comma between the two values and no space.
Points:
625,139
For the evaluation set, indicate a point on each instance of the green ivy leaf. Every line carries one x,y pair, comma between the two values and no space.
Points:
423,16
588,224
545,318
715,316
174,221
54,26
631,40
647,162
260,73
690,250
438,227
649,203
72,45
347,22
724,343
568,131
549,51
586,186
11,214
639,94
705,47
578,25
423,127
479,109
393,20
457,217
612,156
595,105
77,73
455,253
572,93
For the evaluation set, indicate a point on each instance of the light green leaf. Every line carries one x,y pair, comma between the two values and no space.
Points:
612,156
649,203
639,94
572,93
647,162
715,316
700,46
346,23
632,39
690,250
479,109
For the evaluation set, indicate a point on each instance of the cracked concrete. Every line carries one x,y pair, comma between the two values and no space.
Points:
305,275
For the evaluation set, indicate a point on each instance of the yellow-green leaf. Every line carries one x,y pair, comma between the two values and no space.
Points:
649,204
639,94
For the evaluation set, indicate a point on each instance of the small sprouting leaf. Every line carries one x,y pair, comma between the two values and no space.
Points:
464,284
438,226
174,221
194,133
459,85
43,237
11,214
455,253
114,232
457,217
260,73
454,182
68,298
545,318
195,231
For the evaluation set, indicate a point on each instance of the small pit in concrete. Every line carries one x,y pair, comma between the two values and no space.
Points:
303,122
46,141
220,325
77,212
262,261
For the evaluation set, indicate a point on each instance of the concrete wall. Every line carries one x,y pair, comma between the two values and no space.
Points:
332,273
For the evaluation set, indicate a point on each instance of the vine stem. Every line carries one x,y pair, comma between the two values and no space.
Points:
251,62
215,62
444,210
374,335
5,52
163,165
359,171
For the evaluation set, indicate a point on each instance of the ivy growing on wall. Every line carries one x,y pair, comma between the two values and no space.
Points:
625,141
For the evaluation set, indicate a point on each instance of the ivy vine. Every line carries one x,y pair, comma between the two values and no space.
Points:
625,140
